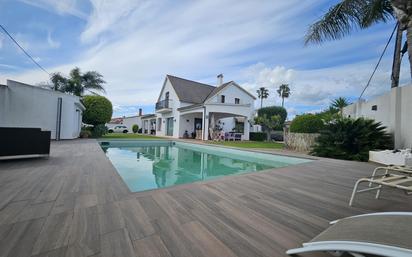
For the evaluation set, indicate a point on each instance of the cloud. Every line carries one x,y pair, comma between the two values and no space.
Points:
52,43
313,90
135,43
61,7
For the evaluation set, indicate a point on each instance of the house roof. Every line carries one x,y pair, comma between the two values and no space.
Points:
190,91
197,93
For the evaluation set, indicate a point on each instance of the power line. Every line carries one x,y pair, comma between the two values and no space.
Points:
24,51
379,61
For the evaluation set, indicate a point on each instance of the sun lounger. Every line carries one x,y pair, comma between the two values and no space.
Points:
403,182
383,234
397,168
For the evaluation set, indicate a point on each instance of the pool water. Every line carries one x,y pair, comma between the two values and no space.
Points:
145,165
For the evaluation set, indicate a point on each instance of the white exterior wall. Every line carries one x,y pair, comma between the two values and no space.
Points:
231,92
174,104
187,122
393,110
24,105
406,117
130,121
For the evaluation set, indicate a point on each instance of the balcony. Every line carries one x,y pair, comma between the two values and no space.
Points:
164,106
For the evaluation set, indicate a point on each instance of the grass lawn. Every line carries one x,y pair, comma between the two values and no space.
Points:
129,136
250,144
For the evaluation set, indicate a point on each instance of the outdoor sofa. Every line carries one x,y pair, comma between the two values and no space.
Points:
18,143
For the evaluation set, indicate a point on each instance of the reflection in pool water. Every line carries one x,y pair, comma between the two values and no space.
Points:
161,165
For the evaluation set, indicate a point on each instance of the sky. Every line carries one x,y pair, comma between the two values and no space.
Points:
135,43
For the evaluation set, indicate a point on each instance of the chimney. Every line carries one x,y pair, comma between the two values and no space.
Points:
219,79
140,112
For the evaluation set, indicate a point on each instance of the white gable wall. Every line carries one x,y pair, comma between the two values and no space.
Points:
173,104
231,92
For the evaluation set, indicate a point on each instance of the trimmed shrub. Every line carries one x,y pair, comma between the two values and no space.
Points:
273,111
99,130
306,123
351,139
98,110
135,128
257,136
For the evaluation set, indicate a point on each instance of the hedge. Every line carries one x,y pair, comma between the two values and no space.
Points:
306,123
257,136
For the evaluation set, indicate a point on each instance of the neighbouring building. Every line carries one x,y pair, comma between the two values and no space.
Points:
393,109
128,121
23,105
189,108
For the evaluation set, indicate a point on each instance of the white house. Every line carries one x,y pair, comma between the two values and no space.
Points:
23,105
128,121
393,110
185,107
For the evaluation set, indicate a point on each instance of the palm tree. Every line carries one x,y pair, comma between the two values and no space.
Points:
263,93
77,83
347,15
340,103
284,92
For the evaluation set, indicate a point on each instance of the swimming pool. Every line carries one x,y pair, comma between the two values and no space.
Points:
151,164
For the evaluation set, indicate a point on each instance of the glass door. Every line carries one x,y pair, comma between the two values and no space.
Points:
169,126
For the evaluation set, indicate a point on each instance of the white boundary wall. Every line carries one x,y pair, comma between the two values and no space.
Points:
393,109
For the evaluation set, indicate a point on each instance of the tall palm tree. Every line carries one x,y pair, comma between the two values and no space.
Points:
347,15
340,103
284,92
263,93
77,83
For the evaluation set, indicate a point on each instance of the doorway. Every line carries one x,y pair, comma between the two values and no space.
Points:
169,126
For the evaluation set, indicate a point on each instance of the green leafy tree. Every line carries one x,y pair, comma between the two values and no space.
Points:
263,93
270,123
98,111
340,103
284,92
349,15
77,82
270,111
351,139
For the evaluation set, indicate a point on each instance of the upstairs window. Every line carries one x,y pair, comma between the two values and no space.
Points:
237,101
167,95
222,99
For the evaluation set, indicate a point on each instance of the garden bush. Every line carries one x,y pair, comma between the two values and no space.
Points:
85,133
98,110
352,139
306,123
99,130
257,136
135,128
